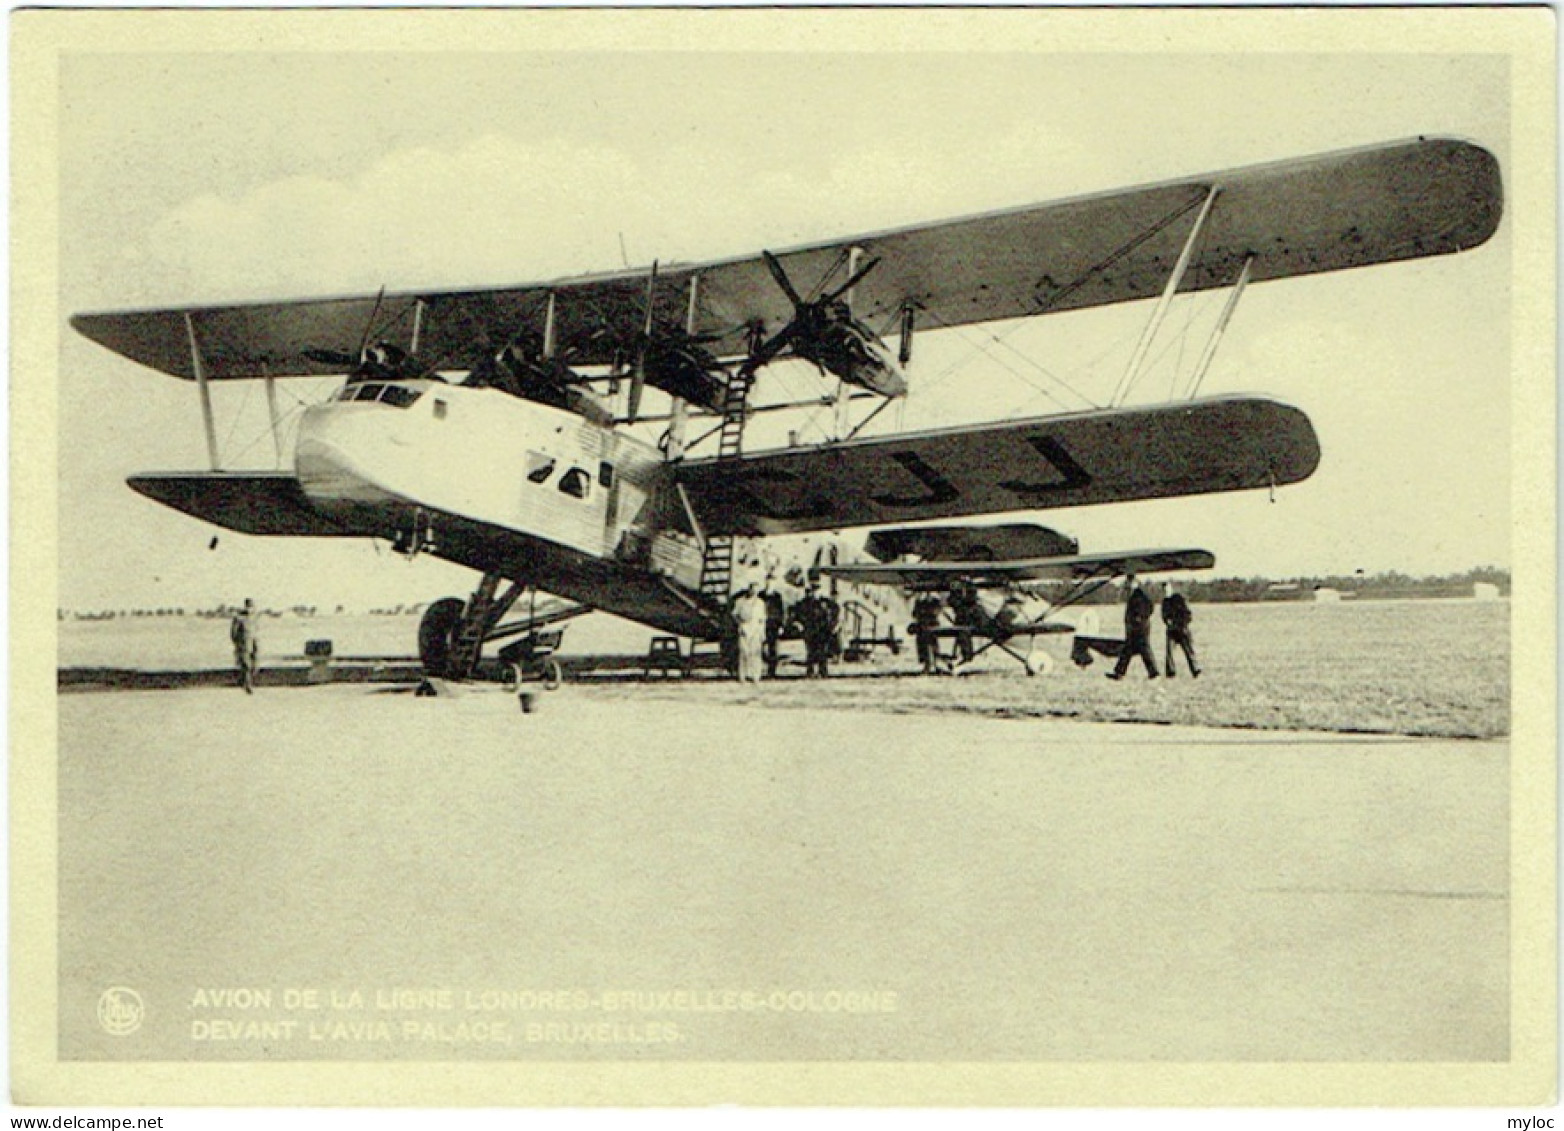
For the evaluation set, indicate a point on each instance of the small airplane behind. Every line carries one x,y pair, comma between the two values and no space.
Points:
495,427
979,587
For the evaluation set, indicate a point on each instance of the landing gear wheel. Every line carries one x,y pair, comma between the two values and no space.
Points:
437,635
1039,663
553,675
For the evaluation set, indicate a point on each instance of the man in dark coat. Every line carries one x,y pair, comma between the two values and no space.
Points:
926,612
776,620
817,615
1175,619
241,632
1137,631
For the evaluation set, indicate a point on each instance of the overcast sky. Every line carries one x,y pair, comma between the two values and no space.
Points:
188,178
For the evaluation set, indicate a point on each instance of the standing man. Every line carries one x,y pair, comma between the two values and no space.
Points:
968,615
814,620
241,632
1137,631
925,622
749,616
776,619
1175,618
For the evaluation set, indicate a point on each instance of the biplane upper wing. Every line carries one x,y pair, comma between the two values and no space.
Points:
1103,456
989,575
1324,213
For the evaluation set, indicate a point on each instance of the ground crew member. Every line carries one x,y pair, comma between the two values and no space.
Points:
749,616
241,632
1175,618
1137,631
776,620
816,618
968,615
925,621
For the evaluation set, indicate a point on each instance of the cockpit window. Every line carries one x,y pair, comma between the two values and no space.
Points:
400,395
576,483
397,395
539,467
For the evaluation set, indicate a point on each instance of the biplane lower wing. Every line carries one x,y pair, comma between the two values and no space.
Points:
249,502
989,575
1104,456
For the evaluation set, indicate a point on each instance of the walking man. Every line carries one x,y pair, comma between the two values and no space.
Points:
1137,631
1175,619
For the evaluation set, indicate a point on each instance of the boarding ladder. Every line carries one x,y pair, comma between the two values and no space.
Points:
717,558
482,610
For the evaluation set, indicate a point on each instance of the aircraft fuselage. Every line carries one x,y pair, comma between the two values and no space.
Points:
529,491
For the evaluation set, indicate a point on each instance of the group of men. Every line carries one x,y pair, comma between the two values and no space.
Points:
760,619
1176,618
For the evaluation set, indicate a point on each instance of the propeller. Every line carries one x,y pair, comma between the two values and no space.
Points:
813,319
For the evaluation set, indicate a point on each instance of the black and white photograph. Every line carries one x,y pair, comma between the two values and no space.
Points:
784,557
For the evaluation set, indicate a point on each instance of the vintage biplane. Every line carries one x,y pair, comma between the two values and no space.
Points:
1001,587
496,427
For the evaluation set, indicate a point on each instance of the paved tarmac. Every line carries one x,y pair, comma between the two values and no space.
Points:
350,872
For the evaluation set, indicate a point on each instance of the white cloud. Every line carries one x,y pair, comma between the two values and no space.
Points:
500,209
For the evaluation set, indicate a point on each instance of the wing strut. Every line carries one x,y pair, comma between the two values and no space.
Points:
854,254
271,409
1139,359
679,413
548,328
206,396
1221,328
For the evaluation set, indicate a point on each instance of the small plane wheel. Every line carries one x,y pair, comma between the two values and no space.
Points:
437,633
553,675
512,679
1039,663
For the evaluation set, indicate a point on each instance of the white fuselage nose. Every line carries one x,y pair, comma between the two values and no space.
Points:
478,453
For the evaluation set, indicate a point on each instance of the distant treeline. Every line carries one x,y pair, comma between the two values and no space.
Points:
1356,586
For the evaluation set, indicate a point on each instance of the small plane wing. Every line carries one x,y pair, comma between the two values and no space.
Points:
249,502
1400,200
1002,541
994,575
1103,456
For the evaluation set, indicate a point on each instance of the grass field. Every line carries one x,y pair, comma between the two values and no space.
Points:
1432,667
1439,668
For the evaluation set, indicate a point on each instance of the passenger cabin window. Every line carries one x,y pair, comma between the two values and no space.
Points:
575,483
539,467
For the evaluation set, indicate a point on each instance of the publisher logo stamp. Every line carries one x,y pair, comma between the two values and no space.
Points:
120,1011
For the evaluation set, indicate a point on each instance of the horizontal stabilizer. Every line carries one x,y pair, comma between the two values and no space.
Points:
1080,459
249,502
994,575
